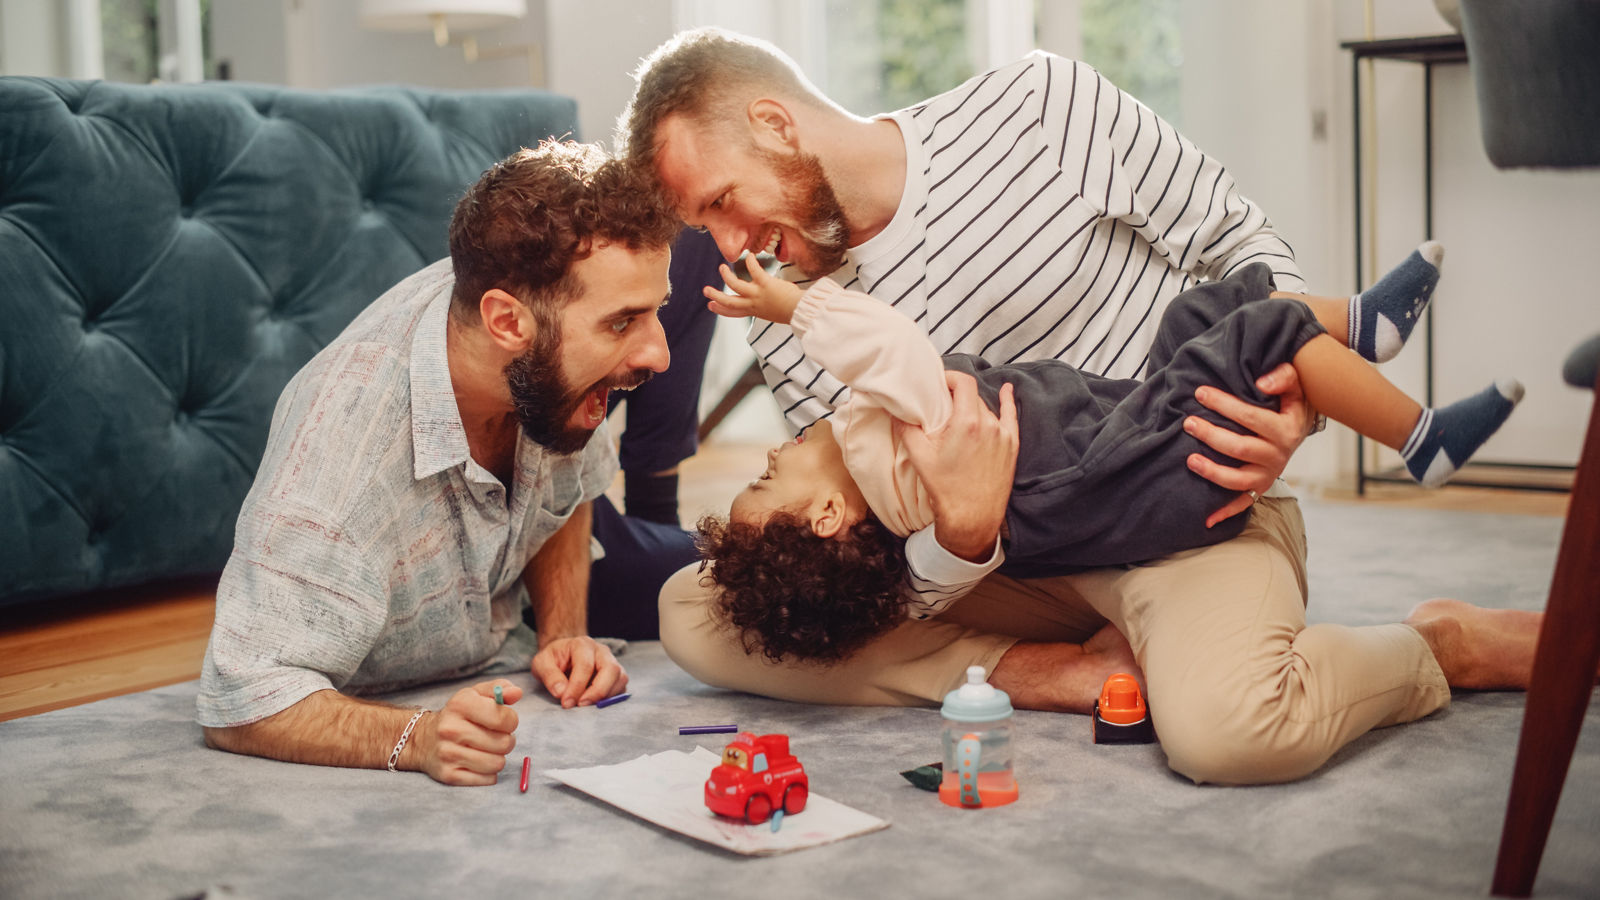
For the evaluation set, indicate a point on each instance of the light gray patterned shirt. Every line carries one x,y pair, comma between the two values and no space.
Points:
373,552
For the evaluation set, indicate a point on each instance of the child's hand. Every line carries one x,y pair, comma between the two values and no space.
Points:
763,296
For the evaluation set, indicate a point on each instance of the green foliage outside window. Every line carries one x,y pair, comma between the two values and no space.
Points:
888,54
130,37
1137,44
130,34
883,55
924,49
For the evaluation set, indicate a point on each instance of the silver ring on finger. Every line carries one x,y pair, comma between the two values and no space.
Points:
1253,496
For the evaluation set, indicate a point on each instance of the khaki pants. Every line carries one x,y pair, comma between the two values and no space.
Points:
1240,689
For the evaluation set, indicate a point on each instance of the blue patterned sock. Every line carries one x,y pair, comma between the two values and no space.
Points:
1445,438
1382,316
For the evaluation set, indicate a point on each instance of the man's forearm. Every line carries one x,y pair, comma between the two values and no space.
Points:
557,579
328,728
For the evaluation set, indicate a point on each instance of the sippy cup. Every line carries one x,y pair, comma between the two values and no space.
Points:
977,745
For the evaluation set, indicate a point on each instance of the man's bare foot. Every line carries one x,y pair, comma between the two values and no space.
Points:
1063,677
1478,648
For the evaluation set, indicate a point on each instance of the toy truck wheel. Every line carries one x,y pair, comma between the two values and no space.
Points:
794,799
758,809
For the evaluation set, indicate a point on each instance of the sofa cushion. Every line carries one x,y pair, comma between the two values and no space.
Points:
169,257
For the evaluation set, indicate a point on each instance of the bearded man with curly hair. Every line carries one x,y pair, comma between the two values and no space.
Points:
432,474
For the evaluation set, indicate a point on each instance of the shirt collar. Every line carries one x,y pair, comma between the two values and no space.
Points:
911,196
438,439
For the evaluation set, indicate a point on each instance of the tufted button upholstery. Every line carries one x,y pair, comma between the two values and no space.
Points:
169,257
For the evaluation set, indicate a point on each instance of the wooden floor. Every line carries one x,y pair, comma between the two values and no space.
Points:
137,640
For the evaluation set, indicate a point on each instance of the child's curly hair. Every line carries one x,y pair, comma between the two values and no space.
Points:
796,595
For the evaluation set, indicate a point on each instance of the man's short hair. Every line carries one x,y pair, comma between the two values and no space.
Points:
708,75
535,213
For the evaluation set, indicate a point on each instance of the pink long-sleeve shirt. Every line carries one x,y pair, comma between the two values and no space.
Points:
893,373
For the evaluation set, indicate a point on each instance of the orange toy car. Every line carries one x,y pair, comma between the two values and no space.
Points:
756,776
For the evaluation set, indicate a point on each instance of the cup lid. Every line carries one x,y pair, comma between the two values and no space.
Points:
977,700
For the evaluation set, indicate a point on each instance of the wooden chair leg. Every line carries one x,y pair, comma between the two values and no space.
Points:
1563,680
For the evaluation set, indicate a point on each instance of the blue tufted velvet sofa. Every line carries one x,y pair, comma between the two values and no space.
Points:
169,257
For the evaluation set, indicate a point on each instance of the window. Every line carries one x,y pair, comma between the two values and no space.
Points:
1137,44
883,55
155,40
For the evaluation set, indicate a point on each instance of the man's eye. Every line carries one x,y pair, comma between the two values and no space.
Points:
620,326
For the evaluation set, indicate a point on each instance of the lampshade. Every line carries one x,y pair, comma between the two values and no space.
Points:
425,15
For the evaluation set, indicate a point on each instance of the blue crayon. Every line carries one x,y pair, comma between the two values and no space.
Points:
610,700
708,729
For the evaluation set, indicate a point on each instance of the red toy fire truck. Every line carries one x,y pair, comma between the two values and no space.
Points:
756,776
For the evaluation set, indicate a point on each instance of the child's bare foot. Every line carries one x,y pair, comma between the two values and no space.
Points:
1060,677
1479,648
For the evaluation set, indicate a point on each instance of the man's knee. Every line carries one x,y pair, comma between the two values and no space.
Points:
1217,739
690,636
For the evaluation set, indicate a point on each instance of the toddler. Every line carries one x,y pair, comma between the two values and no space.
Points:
809,563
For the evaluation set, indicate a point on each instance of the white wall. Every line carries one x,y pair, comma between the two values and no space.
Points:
1268,90
1517,293
252,35
32,38
322,44
1258,95
596,46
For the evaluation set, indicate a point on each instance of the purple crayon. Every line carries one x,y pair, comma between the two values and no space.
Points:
610,700
708,729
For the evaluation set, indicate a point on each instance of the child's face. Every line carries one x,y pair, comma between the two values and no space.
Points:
801,475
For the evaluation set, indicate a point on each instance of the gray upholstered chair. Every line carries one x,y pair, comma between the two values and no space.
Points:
169,257
1537,75
1536,68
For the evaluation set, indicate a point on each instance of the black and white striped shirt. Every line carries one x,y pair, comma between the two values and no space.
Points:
1046,214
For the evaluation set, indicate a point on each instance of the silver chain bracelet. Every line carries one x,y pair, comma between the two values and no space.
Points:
394,758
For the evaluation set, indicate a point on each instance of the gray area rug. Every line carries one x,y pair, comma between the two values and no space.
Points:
121,799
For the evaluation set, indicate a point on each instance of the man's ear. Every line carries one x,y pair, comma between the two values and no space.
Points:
831,516
507,320
772,125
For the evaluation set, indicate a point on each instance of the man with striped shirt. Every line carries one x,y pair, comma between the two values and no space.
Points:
1034,212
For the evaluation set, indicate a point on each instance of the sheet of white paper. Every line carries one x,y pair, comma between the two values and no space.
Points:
668,788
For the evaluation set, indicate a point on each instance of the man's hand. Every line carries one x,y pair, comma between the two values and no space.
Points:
578,671
466,742
1265,453
967,467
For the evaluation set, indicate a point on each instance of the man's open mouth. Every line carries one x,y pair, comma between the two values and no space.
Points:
591,409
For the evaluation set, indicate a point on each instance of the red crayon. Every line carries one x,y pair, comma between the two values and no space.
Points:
526,764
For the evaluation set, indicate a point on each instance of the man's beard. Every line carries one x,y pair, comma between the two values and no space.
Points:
820,218
545,403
